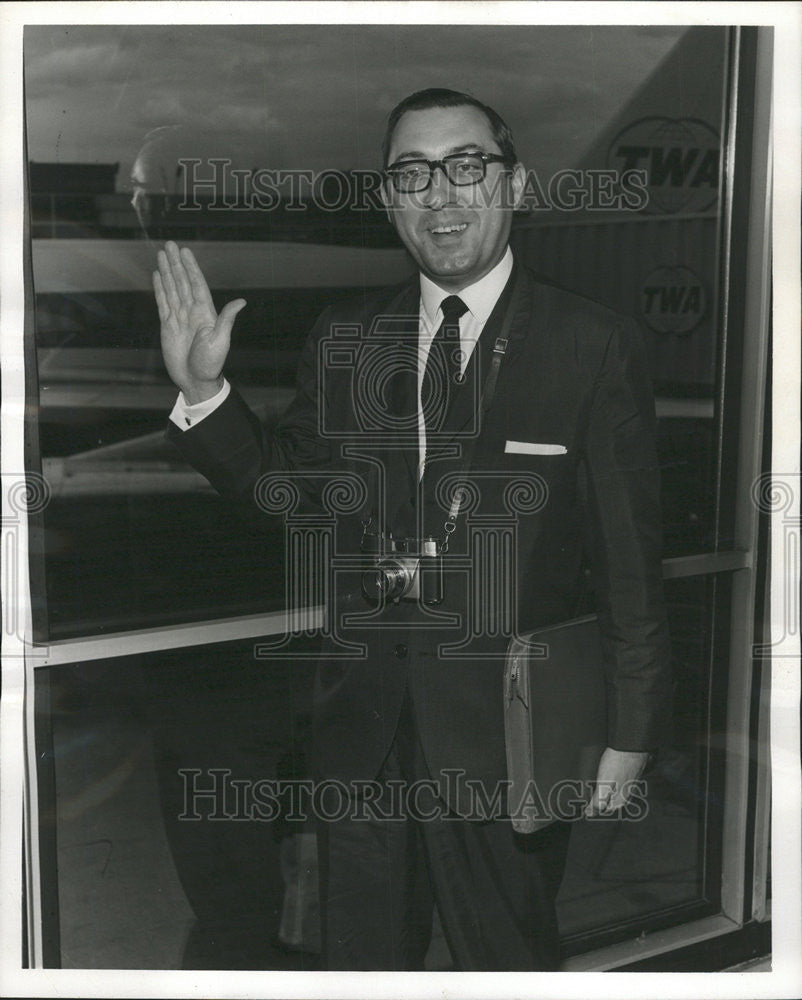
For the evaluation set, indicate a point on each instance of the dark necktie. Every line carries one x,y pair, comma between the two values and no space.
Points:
441,376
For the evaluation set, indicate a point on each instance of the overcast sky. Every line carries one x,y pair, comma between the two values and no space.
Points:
316,97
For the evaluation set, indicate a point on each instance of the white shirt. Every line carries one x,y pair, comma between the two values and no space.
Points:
480,298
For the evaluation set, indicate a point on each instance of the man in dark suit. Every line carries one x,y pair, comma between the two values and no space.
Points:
546,397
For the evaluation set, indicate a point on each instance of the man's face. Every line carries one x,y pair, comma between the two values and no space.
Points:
456,234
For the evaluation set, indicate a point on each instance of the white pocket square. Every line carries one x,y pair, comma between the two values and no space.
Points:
532,448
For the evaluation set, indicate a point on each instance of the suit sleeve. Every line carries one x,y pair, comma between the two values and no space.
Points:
231,449
625,542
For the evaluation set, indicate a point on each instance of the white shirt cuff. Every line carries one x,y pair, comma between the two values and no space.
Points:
186,415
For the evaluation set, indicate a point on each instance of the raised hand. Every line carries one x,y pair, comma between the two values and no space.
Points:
195,339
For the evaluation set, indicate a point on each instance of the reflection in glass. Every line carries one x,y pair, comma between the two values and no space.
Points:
619,870
129,525
149,181
141,885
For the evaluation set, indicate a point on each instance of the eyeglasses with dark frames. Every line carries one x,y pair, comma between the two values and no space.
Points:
461,169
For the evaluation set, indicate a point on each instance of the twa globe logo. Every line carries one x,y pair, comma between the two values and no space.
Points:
680,157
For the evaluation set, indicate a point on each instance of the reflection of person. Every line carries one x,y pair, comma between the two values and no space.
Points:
572,405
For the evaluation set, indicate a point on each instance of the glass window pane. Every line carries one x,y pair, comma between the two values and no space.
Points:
124,156
133,537
148,877
141,883
653,253
659,859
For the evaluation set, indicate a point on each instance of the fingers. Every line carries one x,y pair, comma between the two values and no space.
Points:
161,298
618,771
197,282
225,322
228,314
168,282
604,800
178,271
182,280
178,287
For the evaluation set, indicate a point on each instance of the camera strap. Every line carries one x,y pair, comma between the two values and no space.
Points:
485,402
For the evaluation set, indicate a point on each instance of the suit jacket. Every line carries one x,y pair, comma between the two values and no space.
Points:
573,377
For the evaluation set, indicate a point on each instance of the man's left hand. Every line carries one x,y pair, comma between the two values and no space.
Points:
617,769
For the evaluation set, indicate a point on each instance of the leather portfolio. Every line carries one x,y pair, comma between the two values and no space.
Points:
555,720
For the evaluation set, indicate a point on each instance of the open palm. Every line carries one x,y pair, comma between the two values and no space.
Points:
195,339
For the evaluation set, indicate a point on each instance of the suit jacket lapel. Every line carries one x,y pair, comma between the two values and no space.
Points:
401,463
400,457
463,412
408,401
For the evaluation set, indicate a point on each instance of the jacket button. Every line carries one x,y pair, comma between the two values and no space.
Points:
401,650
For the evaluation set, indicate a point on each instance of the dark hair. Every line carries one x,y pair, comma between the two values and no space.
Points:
439,97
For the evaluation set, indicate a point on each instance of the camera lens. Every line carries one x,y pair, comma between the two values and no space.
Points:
388,581
395,580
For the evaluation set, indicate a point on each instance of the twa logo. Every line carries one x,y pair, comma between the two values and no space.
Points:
680,157
673,300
